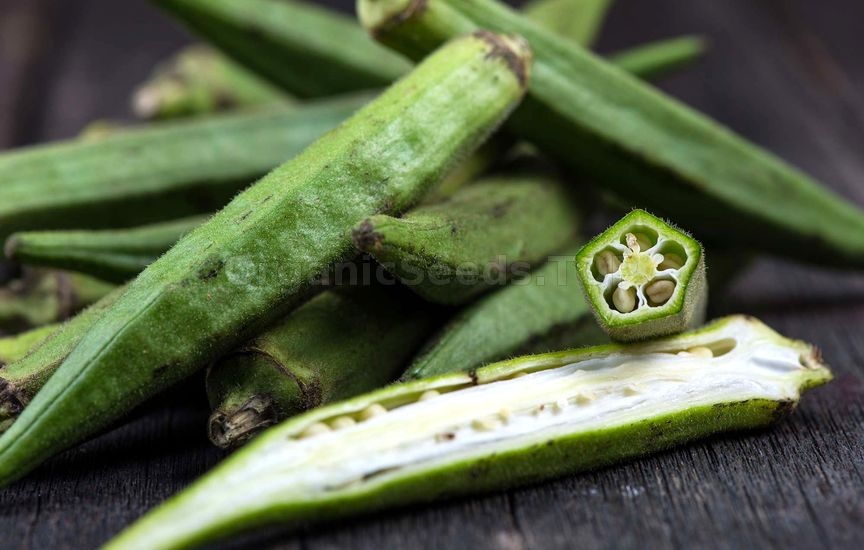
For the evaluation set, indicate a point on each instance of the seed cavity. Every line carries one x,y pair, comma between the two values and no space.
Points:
429,394
343,422
671,261
606,262
372,411
702,352
315,429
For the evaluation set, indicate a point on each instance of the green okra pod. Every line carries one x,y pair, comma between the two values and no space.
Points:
13,348
577,20
115,255
644,278
258,257
653,151
200,80
538,314
42,297
340,344
502,426
153,174
657,58
453,250
21,379
306,50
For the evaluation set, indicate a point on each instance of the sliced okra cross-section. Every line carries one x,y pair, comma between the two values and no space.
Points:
644,278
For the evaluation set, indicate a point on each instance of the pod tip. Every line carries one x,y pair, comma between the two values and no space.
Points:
379,15
231,429
513,49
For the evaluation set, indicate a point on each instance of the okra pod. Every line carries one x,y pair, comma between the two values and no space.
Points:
115,255
451,251
154,174
340,344
538,314
657,58
644,278
13,348
256,259
20,380
505,425
43,297
575,20
306,50
200,80
652,150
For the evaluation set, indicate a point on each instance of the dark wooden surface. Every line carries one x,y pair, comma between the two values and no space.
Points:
786,73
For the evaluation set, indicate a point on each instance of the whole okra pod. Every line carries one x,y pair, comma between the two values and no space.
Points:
453,250
340,344
115,255
160,173
42,297
538,314
257,258
21,379
306,50
506,425
644,278
200,80
13,348
652,150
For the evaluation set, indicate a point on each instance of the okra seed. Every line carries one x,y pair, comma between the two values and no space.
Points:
343,422
504,414
484,424
631,390
659,292
606,262
372,411
671,261
429,394
583,399
702,352
624,299
315,429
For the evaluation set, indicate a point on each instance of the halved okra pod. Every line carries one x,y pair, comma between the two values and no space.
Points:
256,259
644,278
306,50
22,378
42,297
653,151
506,425
340,344
112,255
153,174
451,251
539,314
200,80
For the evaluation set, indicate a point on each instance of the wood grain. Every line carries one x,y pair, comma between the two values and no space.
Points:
786,73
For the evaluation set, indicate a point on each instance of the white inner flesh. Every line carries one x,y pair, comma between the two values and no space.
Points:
599,393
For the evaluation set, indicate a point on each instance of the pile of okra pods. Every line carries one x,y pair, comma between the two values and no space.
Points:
366,232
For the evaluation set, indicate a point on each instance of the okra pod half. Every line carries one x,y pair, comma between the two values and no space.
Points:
342,343
644,278
539,314
506,425
652,150
200,80
453,250
154,174
21,379
42,297
112,254
306,50
257,258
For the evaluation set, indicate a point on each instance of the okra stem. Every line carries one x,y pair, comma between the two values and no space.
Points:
652,150
506,425
451,251
200,80
115,255
257,258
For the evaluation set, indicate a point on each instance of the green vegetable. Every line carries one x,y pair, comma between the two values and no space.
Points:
306,50
575,20
21,379
506,425
655,152
15,347
44,297
451,251
154,174
342,343
657,58
644,278
256,259
537,314
113,255
200,80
